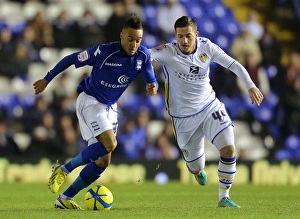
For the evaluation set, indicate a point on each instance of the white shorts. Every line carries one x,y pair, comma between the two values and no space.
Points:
190,131
95,118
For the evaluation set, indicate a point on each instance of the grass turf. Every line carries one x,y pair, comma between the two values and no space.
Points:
149,200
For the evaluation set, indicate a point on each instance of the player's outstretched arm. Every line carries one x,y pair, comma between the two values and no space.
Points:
255,95
151,89
40,85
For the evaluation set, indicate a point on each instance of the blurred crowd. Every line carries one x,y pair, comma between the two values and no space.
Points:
34,39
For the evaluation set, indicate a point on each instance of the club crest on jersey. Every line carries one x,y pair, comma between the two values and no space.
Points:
194,69
203,57
185,152
83,56
138,64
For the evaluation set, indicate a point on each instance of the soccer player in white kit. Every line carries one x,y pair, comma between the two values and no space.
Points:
195,111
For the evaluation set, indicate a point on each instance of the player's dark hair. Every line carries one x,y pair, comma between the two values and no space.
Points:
134,22
185,21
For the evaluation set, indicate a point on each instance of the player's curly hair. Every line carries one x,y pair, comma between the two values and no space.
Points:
185,21
134,22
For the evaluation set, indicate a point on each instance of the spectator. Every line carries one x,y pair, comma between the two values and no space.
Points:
293,68
69,136
225,83
7,48
167,14
270,48
7,144
128,141
133,7
91,32
115,23
292,108
243,45
45,139
29,40
254,27
65,31
43,30
33,114
166,144
21,61
258,75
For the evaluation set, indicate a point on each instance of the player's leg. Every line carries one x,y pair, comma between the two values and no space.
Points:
196,166
218,129
89,174
100,131
95,150
190,139
227,166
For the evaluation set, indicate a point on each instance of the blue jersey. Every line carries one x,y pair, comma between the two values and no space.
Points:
113,70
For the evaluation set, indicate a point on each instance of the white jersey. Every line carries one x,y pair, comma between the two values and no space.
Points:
187,83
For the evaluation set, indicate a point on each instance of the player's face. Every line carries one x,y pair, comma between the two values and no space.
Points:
131,40
186,38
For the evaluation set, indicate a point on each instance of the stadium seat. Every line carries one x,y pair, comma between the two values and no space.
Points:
10,11
223,41
283,154
31,8
150,12
10,102
271,71
292,143
207,28
195,10
150,40
263,113
49,55
156,104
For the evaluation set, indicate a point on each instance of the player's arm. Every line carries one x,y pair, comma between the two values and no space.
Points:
152,89
220,57
159,54
41,84
255,94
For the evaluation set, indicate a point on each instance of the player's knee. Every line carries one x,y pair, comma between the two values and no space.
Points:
111,146
228,151
104,161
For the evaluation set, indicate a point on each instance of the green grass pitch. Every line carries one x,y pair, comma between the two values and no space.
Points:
149,200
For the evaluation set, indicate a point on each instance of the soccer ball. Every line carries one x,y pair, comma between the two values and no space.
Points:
99,197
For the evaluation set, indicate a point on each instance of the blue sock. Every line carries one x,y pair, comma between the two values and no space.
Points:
89,154
89,174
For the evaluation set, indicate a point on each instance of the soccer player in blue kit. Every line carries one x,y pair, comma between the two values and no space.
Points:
115,65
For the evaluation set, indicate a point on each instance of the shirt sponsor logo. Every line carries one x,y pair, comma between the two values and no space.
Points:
104,83
83,56
123,79
113,64
194,69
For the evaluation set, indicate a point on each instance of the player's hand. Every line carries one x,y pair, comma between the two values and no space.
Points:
255,95
40,85
151,89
